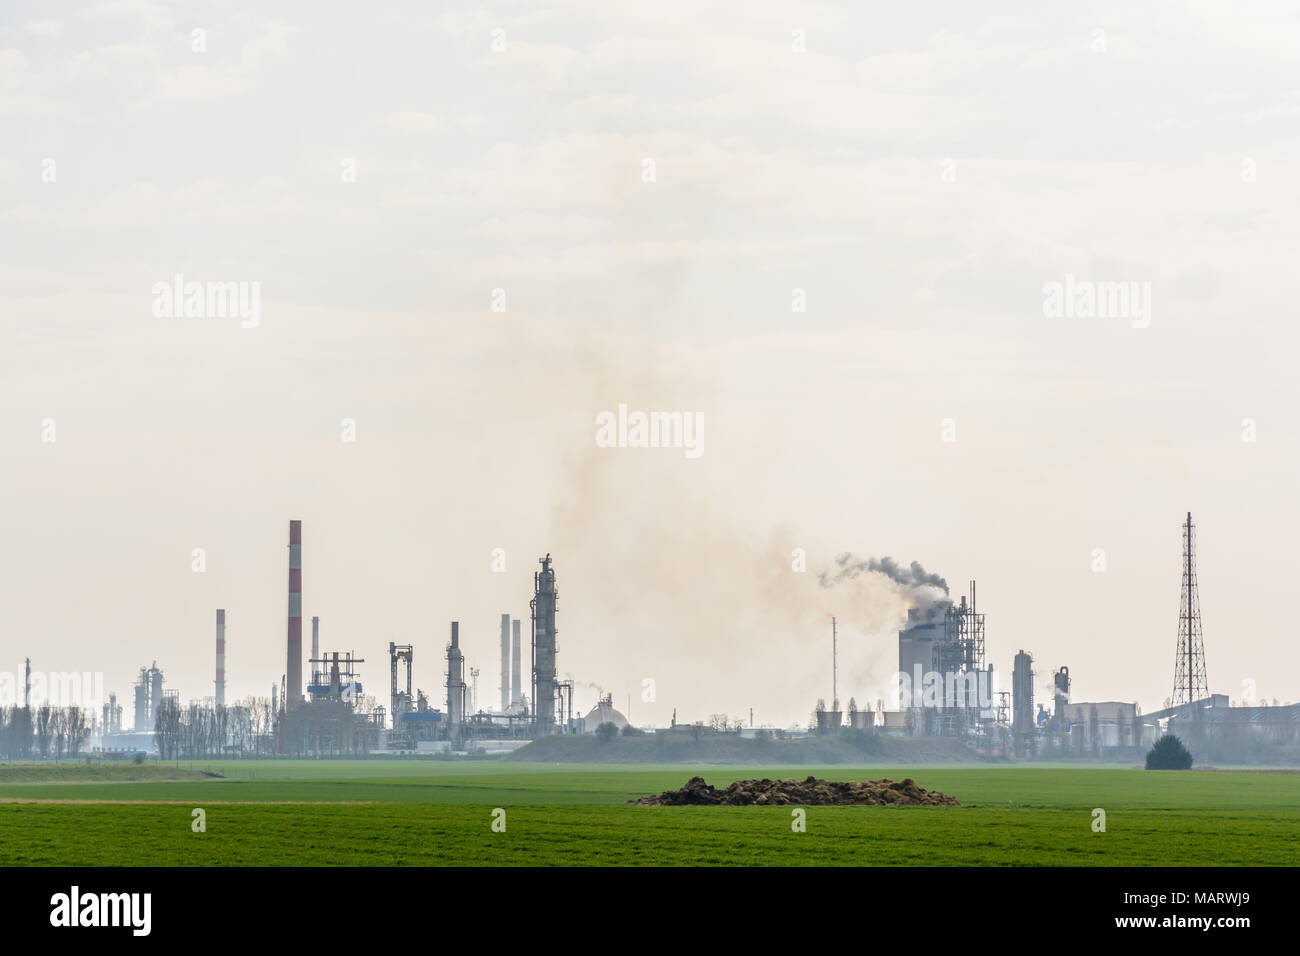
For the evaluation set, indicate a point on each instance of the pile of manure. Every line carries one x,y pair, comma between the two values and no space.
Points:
809,792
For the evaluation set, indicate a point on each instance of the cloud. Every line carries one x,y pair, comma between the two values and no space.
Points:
45,28
410,122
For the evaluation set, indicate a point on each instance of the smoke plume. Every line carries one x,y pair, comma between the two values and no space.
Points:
921,585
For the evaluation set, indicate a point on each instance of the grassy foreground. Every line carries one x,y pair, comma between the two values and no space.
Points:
386,813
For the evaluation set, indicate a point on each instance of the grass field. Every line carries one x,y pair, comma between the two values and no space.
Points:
420,813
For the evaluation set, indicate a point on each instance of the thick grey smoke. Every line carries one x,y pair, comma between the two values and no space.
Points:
913,577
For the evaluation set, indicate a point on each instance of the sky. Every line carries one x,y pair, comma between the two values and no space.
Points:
829,233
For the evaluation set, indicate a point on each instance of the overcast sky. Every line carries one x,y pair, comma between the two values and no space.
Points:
475,228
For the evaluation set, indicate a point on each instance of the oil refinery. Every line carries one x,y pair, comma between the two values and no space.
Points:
945,687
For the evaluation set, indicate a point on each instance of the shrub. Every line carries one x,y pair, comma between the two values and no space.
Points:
1169,754
607,731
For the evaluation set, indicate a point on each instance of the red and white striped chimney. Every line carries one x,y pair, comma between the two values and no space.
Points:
293,668
221,657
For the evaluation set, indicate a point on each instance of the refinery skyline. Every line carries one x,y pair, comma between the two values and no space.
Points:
1007,297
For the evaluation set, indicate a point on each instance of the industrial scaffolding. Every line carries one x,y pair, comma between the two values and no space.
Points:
960,656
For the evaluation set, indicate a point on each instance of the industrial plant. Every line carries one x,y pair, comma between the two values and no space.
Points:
332,716
945,687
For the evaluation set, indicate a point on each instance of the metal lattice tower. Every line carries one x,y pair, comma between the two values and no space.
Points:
1190,684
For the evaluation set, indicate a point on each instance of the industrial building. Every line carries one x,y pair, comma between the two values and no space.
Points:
604,713
946,687
941,649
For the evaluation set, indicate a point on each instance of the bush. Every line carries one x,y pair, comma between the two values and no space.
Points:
607,731
1169,754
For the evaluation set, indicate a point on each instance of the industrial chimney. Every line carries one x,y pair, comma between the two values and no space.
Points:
516,678
293,668
221,657
455,682
315,644
505,662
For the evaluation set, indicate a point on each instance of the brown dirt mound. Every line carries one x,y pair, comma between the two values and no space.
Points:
809,792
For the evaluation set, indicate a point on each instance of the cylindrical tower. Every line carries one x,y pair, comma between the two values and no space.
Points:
516,668
543,607
1022,703
221,657
455,682
315,638
293,666
505,662
155,691
142,702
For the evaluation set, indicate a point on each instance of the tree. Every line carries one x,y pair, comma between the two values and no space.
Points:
59,731
44,729
76,729
1169,754
167,728
20,732
606,732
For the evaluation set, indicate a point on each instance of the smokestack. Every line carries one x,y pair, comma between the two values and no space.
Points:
293,669
315,638
505,662
221,657
516,680
455,683
155,691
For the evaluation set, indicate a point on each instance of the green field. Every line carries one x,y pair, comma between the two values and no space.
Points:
422,813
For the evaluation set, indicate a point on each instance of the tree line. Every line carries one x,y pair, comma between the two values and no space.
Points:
43,731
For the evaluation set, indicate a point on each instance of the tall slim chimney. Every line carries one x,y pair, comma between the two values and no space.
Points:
516,650
543,607
293,668
505,662
315,642
221,657
455,682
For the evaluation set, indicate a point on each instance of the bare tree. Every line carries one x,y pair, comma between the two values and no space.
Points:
44,729
167,728
76,729
17,743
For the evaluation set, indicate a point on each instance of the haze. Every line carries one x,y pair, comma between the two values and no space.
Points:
650,191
